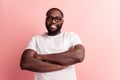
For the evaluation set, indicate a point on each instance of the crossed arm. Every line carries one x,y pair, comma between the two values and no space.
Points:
32,61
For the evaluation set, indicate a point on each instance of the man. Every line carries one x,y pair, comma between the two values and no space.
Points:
53,54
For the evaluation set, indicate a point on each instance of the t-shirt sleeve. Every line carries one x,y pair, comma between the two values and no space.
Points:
75,39
32,44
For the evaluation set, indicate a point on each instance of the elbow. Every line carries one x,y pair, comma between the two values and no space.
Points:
80,53
24,66
80,56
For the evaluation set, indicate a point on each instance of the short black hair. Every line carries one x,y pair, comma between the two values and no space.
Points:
55,9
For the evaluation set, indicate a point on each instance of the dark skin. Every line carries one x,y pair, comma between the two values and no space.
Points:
29,62
75,54
58,24
32,61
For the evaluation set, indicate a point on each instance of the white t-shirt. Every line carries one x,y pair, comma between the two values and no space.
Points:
44,44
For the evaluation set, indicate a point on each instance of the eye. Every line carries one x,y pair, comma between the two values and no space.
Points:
49,18
58,18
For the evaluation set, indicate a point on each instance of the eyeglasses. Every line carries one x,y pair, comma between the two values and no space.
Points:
57,19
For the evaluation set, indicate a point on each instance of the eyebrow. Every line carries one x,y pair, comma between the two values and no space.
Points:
55,16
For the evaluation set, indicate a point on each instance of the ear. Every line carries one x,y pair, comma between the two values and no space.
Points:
62,21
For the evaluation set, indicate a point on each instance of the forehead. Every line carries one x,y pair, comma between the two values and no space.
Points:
54,13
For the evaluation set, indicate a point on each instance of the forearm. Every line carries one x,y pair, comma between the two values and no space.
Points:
32,64
40,66
66,58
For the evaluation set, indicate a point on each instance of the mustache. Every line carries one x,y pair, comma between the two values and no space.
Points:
52,24
53,32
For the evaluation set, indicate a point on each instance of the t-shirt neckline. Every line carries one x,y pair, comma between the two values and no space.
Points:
53,36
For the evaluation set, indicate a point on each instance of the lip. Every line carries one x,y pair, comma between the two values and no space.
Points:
53,27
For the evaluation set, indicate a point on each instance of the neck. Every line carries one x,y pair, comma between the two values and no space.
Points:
53,34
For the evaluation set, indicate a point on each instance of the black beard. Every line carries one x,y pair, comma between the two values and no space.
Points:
53,32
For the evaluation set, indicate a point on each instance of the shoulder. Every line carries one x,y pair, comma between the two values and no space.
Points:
38,36
70,33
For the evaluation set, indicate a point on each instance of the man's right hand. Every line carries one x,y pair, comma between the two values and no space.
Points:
38,56
71,48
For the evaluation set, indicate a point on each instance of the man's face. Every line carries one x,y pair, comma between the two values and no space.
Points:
54,21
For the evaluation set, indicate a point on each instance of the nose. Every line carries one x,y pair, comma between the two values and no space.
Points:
53,21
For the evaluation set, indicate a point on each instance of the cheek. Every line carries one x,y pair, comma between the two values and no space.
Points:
60,23
47,23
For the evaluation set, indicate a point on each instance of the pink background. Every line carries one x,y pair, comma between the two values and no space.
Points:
96,21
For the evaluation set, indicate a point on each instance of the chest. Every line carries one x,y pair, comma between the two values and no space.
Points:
53,45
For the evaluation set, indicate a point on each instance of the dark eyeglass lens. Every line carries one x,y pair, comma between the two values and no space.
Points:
49,18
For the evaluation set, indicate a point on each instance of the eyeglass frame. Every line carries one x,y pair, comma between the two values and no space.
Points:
50,18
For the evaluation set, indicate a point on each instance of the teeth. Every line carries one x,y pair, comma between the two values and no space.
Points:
53,26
